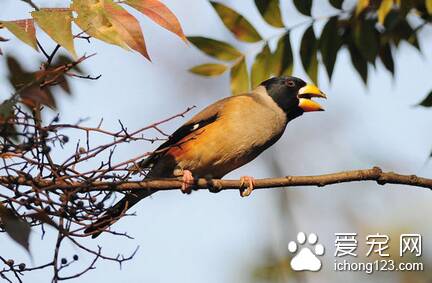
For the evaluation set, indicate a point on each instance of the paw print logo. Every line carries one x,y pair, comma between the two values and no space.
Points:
305,258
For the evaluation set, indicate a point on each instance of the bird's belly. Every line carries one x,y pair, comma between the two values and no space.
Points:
216,158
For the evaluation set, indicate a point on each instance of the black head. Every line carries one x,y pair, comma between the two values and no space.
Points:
293,95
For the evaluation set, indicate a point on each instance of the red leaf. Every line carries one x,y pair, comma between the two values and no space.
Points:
160,14
127,26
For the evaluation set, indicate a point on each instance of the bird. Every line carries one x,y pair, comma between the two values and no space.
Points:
221,138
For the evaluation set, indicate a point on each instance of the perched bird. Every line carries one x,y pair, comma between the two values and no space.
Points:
223,137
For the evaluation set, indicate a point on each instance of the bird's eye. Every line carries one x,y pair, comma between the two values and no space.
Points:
290,84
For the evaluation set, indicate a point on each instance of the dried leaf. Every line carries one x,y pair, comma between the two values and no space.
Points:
236,23
303,6
209,70
270,11
384,9
427,101
6,155
239,78
329,44
24,30
215,48
127,26
261,68
44,218
93,19
283,60
33,95
57,23
308,54
15,227
160,14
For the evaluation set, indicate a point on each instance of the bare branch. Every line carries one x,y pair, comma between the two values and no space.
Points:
373,174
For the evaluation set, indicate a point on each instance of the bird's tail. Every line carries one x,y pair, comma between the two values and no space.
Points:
117,211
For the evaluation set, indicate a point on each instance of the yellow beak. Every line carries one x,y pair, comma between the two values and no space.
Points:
305,102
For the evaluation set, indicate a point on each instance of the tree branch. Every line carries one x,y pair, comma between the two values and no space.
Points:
373,174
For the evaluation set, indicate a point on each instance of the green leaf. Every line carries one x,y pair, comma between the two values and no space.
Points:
17,229
6,113
386,57
329,44
308,54
24,30
270,11
209,70
239,78
261,68
236,23
93,19
427,102
6,109
160,14
360,64
215,48
57,23
336,3
366,39
303,6
127,27
283,60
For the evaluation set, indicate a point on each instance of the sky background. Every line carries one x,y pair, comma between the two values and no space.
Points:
206,237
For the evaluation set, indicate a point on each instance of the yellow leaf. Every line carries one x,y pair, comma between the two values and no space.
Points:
57,23
92,18
361,5
159,13
127,26
239,77
384,9
428,4
24,30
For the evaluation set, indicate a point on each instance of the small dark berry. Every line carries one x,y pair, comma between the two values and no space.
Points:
21,266
65,139
100,205
75,257
63,261
80,204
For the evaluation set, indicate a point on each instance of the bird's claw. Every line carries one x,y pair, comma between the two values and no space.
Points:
250,181
188,180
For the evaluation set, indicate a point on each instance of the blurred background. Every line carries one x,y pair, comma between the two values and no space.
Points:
222,237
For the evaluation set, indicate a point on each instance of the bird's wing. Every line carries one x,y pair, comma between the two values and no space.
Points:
205,117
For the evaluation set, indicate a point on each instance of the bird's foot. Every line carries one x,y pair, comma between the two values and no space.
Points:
188,180
250,181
